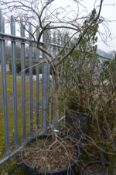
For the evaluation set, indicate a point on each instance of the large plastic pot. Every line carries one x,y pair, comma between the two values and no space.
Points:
65,171
76,122
95,171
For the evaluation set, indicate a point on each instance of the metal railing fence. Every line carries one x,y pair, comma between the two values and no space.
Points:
34,94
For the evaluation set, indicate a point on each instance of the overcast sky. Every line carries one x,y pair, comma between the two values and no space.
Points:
107,36
106,41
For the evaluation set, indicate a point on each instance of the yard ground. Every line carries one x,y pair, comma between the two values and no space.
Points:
10,109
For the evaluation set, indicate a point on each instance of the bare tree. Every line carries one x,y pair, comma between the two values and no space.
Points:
42,14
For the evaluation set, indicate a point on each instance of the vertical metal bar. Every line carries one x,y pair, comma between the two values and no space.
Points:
37,82
53,117
23,83
45,84
63,75
59,41
13,43
44,95
31,82
49,80
54,41
57,48
52,83
4,85
52,99
37,90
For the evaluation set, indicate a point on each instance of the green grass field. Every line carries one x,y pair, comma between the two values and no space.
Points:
10,109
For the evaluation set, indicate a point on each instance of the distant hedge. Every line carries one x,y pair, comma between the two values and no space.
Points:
18,68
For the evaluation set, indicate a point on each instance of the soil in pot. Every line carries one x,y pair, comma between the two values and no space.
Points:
51,155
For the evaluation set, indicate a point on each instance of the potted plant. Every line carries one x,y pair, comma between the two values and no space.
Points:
78,75
50,154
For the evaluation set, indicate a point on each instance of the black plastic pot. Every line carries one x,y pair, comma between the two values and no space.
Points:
65,171
95,171
76,122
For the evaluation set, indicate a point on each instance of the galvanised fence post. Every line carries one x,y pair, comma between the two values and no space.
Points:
37,83
4,84
22,33
31,81
13,44
45,82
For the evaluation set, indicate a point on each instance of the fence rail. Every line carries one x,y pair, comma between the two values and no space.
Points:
39,109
